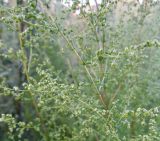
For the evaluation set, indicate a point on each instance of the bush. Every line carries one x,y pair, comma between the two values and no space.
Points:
84,81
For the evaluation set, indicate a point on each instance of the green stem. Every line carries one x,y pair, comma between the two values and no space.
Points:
74,50
24,62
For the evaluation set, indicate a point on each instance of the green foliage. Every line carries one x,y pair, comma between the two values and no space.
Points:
96,79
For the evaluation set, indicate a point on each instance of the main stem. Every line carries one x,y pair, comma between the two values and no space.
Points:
24,62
